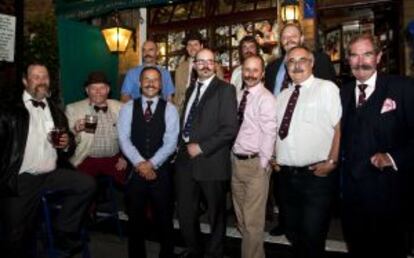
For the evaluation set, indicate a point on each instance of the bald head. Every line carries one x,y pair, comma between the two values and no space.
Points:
149,52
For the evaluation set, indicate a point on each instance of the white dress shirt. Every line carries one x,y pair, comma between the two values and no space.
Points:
39,154
203,89
317,111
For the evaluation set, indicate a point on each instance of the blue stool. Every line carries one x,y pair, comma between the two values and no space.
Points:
52,251
109,182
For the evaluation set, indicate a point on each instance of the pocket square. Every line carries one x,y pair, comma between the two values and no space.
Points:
388,105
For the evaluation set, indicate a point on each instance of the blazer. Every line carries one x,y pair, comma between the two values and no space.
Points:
214,128
14,129
323,69
78,110
393,129
181,80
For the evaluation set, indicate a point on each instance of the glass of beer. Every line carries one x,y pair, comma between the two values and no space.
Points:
91,122
55,134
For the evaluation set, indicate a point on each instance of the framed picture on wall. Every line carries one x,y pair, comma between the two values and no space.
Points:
333,44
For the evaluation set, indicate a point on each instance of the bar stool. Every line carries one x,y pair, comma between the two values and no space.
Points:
47,206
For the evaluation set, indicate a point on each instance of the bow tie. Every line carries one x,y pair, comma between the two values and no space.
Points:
103,109
37,103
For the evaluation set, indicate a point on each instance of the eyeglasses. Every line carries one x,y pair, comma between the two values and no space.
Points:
301,62
204,62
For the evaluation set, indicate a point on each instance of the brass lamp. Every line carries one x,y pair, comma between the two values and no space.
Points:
289,11
116,35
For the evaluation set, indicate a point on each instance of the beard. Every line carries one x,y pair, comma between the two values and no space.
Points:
41,91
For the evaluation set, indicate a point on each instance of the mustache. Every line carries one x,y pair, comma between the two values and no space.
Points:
206,69
297,70
149,87
251,78
365,67
146,56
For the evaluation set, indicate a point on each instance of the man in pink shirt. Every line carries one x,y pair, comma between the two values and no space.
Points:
252,151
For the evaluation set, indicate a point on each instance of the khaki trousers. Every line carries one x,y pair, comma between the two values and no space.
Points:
250,186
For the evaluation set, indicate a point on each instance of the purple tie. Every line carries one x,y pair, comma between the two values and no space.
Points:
287,117
148,112
242,107
362,96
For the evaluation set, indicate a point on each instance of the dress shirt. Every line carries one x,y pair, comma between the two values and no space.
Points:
370,88
131,85
203,89
237,80
318,110
172,128
257,133
39,154
105,139
368,92
279,79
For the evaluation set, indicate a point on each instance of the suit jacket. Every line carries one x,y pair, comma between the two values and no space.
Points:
370,129
214,128
78,110
323,69
14,129
181,80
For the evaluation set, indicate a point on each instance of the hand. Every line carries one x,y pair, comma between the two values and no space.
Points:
274,165
121,164
145,169
381,161
79,125
322,169
193,150
63,141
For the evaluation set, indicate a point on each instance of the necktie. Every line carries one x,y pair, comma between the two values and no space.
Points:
148,112
103,109
285,82
37,103
242,107
362,96
190,117
287,117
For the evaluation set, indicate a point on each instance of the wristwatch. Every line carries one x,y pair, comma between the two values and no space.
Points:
331,161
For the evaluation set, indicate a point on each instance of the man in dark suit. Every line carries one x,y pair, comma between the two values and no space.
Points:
30,164
203,168
277,79
377,152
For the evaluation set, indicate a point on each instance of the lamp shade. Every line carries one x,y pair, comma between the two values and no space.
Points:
289,11
116,38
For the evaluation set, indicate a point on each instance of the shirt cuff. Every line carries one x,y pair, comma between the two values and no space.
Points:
394,165
264,162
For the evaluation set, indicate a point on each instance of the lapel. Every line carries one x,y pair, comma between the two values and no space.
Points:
375,101
188,93
208,93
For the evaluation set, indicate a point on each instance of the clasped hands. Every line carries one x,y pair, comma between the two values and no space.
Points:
146,170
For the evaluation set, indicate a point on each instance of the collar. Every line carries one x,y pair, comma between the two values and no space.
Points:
154,100
207,81
305,84
370,82
253,90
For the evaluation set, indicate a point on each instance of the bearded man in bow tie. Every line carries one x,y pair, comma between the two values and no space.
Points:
377,152
32,163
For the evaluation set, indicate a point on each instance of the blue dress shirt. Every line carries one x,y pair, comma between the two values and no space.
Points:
279,79
131,85
172,128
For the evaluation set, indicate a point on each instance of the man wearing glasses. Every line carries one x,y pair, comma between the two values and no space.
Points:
308,117
208,128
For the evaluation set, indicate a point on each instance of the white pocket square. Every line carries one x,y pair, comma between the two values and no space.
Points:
388,105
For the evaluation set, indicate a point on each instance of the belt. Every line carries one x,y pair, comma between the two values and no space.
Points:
245,156
294,170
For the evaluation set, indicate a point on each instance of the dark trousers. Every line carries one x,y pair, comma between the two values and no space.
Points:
157,193
307,200
189,193
19,213
372,216
277,195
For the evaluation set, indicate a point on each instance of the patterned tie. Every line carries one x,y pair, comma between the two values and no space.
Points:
362,96
148,112
287,117
190,117
37,103
285,82
242,107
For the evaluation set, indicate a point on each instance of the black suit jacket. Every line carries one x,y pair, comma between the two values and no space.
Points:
214,128
323,68
367,130
14,128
